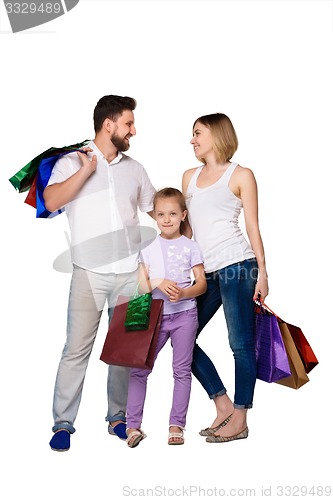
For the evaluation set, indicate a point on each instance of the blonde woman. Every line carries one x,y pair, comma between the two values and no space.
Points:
236,275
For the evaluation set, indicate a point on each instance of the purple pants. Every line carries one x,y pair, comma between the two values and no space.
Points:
181,327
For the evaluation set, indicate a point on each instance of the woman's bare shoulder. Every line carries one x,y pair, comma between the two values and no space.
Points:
244,173
187,175
243,170
189,172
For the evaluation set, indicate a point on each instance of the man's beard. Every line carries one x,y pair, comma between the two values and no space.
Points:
120,143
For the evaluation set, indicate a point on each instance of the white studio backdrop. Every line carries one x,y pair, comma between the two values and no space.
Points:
268,66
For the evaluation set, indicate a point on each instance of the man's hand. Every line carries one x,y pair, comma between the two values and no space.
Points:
87,164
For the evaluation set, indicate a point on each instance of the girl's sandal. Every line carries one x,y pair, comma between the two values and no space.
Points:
178,435
134,438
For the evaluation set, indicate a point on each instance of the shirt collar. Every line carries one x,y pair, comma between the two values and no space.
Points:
99,153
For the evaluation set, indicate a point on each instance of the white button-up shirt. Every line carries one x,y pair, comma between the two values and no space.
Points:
103,218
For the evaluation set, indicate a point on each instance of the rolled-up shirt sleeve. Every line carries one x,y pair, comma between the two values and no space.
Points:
147,192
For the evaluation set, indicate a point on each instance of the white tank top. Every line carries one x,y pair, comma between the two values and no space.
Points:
213,214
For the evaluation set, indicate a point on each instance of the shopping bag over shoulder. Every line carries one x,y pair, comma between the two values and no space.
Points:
34,176
272,359
132,348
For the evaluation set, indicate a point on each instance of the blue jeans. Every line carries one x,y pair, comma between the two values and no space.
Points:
232,286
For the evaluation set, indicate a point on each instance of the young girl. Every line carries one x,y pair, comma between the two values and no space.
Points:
165,269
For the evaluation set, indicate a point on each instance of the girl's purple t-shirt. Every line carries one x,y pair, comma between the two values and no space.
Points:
173,260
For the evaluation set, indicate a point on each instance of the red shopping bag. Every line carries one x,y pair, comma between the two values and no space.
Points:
132,348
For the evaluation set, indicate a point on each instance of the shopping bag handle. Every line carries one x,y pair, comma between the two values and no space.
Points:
263,305
146,278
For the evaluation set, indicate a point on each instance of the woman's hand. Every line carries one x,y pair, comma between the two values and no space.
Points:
261,290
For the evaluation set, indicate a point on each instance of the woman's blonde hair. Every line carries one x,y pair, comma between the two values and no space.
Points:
225,142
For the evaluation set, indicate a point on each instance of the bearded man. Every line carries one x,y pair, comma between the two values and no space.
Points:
101,190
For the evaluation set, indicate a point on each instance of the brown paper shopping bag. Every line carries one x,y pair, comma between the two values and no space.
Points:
298,375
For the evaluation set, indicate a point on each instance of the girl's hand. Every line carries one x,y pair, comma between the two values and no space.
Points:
261,290
176,296
168,287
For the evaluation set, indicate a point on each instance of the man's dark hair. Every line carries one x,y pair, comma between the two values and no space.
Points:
111,106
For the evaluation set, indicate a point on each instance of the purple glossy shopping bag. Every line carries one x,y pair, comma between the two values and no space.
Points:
272,359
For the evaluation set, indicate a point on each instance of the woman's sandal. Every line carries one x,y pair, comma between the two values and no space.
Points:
209,431
221,439
134,438
179,435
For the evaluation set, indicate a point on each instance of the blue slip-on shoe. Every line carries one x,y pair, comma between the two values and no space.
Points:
118,430
60,441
